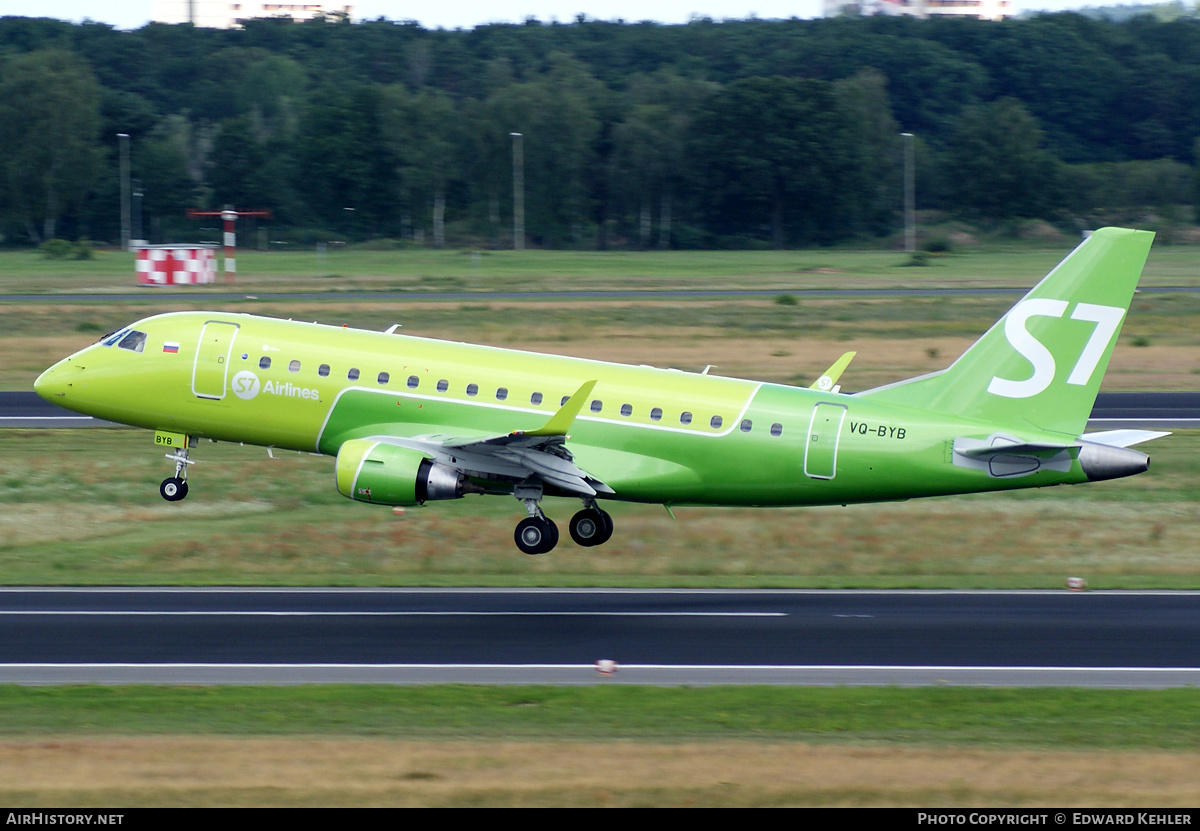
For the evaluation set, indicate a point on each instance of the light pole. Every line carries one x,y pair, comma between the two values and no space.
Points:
124,144
518,192
137,211
910,199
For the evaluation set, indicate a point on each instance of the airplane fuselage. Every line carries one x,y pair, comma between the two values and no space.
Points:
651,435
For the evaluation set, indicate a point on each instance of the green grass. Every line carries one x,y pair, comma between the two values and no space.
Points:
1003,718
82,507
424,270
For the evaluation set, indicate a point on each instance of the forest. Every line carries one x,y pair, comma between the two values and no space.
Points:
711,134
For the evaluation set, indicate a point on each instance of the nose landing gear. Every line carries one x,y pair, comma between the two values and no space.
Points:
174,488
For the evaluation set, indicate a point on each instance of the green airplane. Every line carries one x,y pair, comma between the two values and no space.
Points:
411,420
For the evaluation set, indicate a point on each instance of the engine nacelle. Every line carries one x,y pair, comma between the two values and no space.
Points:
372,471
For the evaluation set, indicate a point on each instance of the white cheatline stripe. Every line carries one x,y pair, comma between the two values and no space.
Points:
47,418
623,667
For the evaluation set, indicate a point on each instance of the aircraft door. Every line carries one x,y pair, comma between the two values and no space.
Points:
211,369
824,432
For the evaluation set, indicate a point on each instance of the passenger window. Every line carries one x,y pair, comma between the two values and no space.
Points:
565,399
443,385
776,429
413,381
685,418
597,406
352,375
294,366
501,394
715,422
323,370
264,362
536,398
747,425
472,389
626,409
656,414
134,341
383,378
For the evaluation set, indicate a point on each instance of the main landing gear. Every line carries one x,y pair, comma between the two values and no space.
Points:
175,487
537,533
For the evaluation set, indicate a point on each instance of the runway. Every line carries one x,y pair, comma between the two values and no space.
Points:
1113,410
291,636
556,636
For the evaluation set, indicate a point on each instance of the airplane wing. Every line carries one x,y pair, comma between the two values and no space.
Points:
519,456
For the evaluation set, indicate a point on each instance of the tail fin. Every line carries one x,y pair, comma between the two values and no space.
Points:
1041,364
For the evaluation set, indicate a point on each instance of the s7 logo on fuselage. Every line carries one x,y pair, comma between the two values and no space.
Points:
245,385
1107,320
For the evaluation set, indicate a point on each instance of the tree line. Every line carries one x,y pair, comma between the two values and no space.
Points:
709,134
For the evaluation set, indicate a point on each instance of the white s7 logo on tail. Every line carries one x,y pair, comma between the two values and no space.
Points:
1107,320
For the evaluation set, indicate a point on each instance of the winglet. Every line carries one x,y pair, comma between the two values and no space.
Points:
561,421
828,381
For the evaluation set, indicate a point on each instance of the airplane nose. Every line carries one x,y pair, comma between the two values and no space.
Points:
52,384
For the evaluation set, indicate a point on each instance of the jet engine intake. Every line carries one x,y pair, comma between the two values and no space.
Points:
369,470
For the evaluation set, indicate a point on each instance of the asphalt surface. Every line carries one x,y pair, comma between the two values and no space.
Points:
405,636
184,636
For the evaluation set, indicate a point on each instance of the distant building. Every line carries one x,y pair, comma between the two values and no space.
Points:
224,14
982,9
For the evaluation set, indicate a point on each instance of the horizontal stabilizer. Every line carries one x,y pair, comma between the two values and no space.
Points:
1005,456
966,447
1123,438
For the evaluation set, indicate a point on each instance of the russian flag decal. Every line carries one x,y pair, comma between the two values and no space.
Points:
170,347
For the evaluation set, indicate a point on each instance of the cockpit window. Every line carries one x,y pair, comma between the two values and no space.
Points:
134,341
113,337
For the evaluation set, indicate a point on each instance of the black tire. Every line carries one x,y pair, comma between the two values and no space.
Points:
173,489
608,527
591,526
535,535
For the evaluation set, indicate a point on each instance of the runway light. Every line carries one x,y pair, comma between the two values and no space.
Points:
606,667
1076,584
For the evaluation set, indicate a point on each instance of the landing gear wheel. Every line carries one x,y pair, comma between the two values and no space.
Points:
591,526
536,535
173,489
